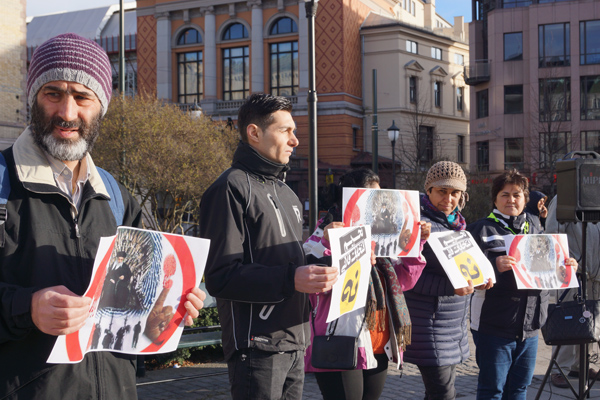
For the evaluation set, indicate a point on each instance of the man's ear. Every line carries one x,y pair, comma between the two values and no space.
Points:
253,133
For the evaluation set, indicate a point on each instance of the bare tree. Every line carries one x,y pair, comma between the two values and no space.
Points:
548,140
165,157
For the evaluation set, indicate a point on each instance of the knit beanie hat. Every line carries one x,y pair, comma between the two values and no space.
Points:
72,58
446,174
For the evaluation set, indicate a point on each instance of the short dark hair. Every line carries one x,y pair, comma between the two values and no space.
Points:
258,109
359,178
511,177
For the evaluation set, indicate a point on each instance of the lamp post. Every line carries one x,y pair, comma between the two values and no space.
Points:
393,133
313,171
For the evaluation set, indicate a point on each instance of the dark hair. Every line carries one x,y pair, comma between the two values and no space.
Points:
512,177
258,109
358,178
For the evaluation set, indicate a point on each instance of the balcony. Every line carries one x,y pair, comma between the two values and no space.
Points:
477,72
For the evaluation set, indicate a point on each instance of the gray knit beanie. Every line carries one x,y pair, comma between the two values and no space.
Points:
446,174
72,58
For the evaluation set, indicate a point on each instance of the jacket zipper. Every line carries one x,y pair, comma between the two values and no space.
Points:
278,214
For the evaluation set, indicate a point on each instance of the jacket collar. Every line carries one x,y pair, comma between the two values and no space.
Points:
249,160
32,165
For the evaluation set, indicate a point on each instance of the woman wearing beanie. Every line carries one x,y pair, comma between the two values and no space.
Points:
505,321
438,311
386,327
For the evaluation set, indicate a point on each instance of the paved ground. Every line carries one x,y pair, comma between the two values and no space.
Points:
209,381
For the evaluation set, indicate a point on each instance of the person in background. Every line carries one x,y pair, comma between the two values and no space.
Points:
386,329
505,321
536,206
438,310
568,356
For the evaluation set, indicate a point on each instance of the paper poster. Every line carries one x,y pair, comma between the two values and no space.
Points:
393,216
138,289
541,261
351,254
461,258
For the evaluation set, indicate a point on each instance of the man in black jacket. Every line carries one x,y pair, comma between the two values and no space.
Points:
57,210
255,267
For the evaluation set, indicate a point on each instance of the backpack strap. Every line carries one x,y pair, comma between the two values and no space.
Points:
116,198
4,193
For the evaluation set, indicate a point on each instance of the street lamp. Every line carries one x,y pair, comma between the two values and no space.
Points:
311,11
393,133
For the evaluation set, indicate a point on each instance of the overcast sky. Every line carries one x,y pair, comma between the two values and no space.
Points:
448,9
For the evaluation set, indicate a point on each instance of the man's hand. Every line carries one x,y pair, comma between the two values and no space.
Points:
465,290
541,205
505,263
333,225
194,303
58,311
315,278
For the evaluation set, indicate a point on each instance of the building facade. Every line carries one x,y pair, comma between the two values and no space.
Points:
13,67
535,84
419,61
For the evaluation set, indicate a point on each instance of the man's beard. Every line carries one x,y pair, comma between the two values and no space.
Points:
42,127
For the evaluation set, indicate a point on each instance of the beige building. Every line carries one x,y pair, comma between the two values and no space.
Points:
13,59
419,58
535,84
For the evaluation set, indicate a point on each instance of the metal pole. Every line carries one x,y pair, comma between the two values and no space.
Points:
393,164
121,50
375,129
313,169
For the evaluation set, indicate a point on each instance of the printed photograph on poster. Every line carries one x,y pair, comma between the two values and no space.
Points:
138,288
541,261
393,216
351,254
461,258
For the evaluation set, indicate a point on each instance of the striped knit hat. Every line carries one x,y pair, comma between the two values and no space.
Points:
72,58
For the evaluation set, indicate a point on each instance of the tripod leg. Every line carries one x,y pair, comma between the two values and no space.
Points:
548,371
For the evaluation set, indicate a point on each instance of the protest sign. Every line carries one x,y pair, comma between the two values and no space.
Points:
138,288
461,258
351,254
393,216
541,261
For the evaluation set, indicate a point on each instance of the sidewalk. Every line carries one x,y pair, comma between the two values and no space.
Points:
214,384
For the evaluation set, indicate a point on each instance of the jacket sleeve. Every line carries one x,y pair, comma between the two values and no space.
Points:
409,269
229,275
15,314
316,246
491,247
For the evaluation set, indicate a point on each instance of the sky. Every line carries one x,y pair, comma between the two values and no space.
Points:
448,9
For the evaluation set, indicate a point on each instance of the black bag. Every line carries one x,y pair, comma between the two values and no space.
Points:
572,322
334,352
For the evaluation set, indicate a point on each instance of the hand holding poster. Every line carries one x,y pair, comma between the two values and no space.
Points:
461,258
138,288
351,254
541,261
393,215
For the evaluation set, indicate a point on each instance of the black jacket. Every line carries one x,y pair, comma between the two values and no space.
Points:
438,316
43,249
254,222
504,310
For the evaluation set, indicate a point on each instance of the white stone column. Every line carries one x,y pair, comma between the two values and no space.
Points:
257,80
210,54
163,56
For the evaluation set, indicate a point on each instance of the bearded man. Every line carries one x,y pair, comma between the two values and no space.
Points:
57,211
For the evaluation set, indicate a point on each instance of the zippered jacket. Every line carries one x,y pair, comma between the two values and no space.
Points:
504,310
254,222
49,243
439,317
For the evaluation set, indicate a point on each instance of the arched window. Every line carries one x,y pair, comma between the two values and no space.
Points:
189,36
284,25
235,31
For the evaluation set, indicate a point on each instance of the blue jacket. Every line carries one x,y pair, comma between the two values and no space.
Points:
438,316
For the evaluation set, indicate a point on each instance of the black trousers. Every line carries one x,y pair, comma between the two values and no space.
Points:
356,384
439,382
